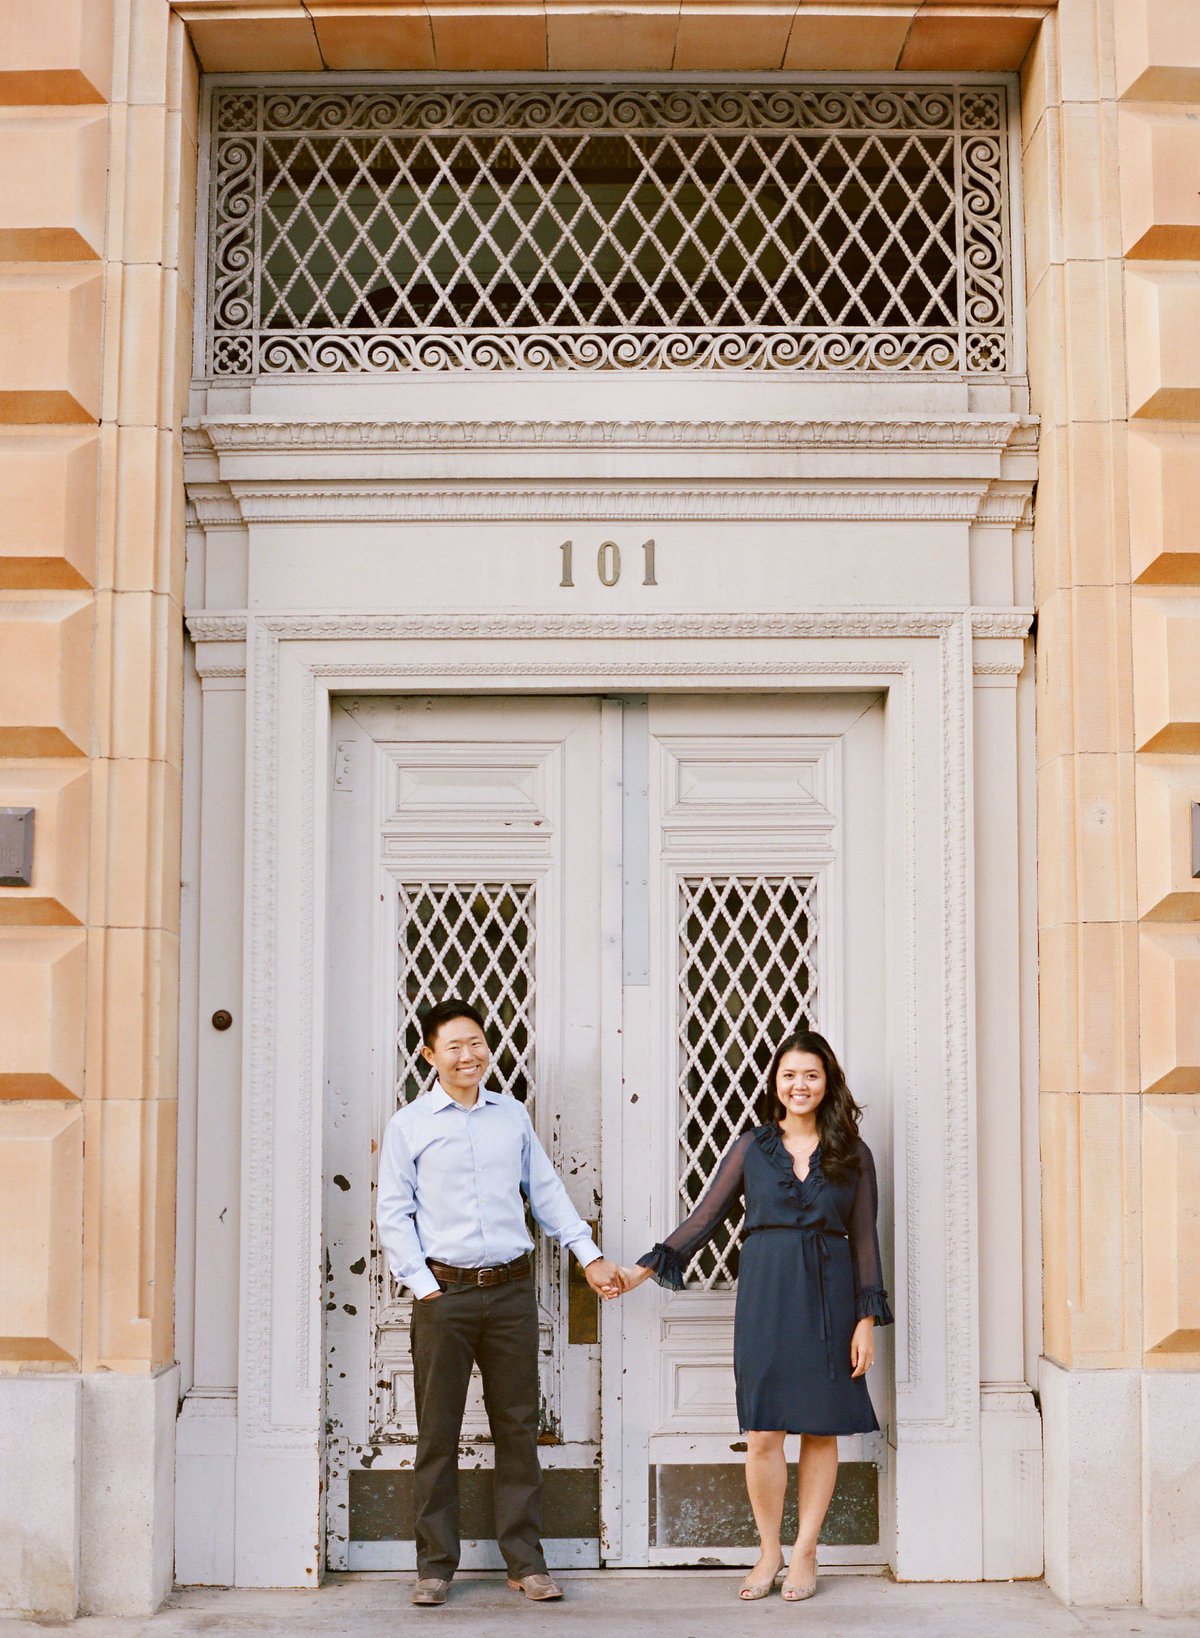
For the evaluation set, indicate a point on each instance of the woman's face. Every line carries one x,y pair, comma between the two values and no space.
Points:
800,1082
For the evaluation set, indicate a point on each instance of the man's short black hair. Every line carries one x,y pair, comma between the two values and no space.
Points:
445,1012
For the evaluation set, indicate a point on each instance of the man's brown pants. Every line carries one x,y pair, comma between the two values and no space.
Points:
496,1327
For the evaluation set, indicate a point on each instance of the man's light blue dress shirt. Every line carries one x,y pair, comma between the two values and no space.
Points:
450,1183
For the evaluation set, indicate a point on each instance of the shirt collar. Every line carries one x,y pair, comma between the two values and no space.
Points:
440,1099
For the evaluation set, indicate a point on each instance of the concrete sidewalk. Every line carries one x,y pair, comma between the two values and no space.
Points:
630,1604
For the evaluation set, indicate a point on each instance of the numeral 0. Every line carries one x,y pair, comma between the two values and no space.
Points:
608,563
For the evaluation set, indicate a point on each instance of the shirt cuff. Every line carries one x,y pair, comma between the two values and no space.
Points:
423,1283
587,1251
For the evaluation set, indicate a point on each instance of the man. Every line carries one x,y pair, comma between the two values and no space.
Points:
454,1165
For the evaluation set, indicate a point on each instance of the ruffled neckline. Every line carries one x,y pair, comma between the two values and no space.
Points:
770,1139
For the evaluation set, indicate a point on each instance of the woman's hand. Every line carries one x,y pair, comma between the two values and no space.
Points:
631,1277
862,1347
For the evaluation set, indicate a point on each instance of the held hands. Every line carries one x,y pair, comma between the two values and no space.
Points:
604,1277
862,1347
610,1280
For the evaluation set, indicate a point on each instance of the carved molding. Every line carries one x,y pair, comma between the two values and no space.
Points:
232,625
338,502
217,628
1001,622
251,435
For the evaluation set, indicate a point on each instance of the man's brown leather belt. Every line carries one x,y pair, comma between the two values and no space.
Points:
498,1275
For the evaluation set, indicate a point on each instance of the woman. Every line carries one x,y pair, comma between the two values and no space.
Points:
810,1292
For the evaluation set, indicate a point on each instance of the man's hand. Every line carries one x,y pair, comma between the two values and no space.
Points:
604,1277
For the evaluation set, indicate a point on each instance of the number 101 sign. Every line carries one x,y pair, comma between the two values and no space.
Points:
608,563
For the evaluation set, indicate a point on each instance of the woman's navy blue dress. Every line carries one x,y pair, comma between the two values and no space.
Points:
809,1271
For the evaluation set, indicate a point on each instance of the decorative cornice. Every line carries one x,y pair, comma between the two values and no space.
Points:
214,505
784,502
830,623
968,432
231,626
1001,622
217,628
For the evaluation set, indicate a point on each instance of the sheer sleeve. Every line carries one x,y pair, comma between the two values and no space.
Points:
870,1297
668,1260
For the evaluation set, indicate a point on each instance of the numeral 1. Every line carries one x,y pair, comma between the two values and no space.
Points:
565,549
648,549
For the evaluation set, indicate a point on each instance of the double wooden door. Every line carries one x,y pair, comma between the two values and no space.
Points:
641,894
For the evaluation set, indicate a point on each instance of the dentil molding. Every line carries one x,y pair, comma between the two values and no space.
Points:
225,505
250,434
232,626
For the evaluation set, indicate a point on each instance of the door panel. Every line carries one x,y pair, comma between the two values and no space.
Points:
465,861
766,894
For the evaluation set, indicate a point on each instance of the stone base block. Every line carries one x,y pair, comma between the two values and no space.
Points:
1091,1424
40,1420
1123,1486
127,1555
87,1469
1171,1490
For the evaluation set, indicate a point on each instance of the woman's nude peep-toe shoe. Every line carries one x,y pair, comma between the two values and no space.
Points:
792,1594
750,1590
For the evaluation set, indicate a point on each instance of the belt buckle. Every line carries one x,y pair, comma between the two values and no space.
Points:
493,1276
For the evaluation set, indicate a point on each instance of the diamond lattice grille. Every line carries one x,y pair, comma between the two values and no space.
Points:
747,977
588,227
475,941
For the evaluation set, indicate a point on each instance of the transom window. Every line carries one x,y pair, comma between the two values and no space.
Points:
607,227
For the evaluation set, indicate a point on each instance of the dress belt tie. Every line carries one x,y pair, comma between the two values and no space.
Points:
817,1252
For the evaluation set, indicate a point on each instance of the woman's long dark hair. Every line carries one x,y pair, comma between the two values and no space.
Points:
837,1113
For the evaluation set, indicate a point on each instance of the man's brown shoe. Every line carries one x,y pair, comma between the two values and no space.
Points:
537,1587
429,1590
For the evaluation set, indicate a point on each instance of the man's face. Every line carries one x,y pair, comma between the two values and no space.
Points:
460,1055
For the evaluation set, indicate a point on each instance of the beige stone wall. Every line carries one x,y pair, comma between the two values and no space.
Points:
1112,162
97,152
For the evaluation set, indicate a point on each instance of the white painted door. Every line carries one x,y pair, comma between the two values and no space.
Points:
644,894
467,859
760,822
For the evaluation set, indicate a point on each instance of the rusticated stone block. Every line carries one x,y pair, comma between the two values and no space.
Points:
1166,657
1171,1230
1167,789
41,1168
45,678
1164,504
47,509
1158,49
52,203
56,52
43,988
1170,1042
50,344
1160,206
1162,328
57,896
